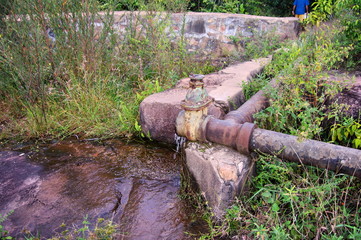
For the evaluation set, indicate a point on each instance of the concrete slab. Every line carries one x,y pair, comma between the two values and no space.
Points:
159,111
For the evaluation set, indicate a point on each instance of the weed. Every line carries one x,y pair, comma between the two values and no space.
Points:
67,71
253,44
347,132
291,201
301,76
254,85
3,233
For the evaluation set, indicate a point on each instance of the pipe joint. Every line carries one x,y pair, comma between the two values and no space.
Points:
243,138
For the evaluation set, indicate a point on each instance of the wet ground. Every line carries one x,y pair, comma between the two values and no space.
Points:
136,185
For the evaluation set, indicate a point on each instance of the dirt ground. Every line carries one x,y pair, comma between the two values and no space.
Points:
351,95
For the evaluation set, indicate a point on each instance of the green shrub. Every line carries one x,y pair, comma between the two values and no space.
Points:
347,132
293,201
301,76
66,71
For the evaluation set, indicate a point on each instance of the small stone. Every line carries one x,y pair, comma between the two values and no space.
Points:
228,172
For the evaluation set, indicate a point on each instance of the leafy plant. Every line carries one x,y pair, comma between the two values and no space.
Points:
348,132
292,201
321,11
301,76
254,85
3,233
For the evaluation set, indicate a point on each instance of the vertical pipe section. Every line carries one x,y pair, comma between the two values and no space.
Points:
309,152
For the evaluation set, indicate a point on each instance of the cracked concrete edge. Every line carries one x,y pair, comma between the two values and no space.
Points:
220,172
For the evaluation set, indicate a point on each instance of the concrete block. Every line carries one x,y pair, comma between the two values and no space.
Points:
220,172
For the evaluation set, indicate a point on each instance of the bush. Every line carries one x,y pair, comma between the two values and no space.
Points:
65,70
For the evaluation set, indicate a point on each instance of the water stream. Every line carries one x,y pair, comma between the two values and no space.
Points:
136,185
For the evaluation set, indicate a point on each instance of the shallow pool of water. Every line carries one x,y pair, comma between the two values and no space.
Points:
136,185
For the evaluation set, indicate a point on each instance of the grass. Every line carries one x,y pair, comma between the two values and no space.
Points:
90,83
289,200
293,201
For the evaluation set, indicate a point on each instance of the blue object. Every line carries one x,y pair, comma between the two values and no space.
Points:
300,6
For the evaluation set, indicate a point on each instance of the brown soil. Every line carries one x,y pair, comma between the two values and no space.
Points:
350,96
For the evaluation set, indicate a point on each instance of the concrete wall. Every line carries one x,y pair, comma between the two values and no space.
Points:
210,32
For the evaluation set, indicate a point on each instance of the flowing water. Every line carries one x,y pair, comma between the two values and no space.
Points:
136,185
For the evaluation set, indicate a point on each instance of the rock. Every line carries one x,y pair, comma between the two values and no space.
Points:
349,97
209,33
40,201
221,173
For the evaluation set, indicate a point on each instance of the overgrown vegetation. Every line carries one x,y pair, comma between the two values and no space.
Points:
63,74
254,7
101,230
293,201
65,71
289,200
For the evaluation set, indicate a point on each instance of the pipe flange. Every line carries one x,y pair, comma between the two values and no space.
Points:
244,137
203,129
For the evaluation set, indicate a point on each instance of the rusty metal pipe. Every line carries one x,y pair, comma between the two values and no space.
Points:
228,133
254,105
245,112
309,152
222,132
195,125
245,138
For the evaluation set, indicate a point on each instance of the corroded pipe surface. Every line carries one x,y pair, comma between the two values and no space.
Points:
308,152
228,133
222,132
254,105
245,112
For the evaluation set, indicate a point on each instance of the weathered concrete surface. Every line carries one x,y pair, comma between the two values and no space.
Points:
158,112
208,33
220,172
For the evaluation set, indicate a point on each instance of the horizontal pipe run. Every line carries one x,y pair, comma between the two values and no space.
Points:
309,152
235,131
222,132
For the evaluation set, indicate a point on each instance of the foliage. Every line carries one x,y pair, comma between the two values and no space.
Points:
255,44
254,85
145,5
3,233
225,6
254,7
292,201
101,230
301,68
104,230
321,11
349,13
348,132
64,73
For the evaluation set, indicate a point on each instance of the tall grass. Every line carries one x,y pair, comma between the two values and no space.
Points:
66,70
290,200
293,201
